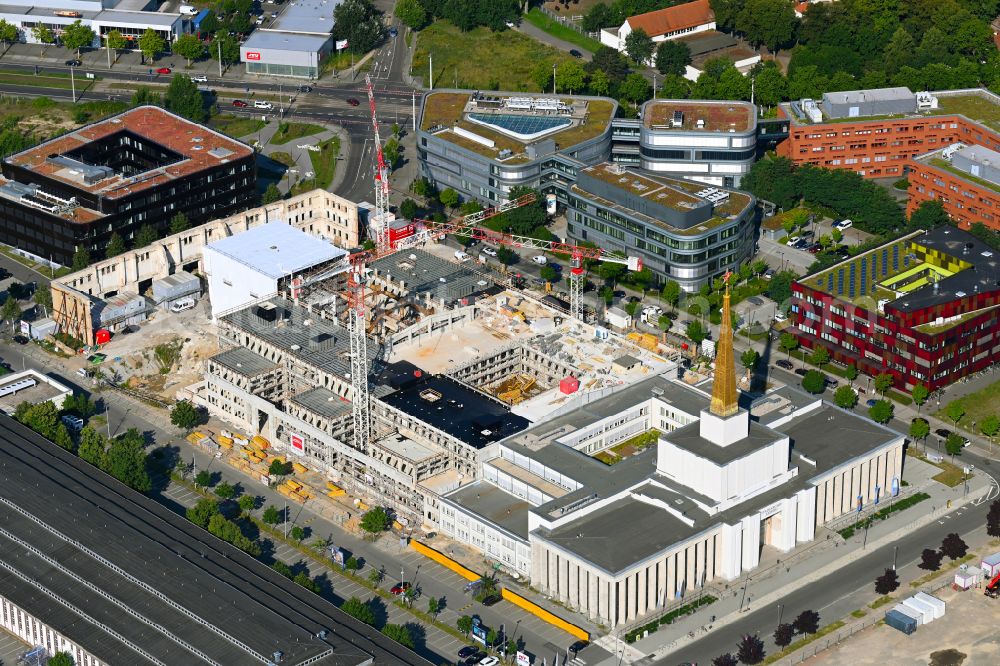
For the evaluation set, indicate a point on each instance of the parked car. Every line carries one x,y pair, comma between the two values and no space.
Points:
400,588
352,101
792,240
943,433
163,70
871,402
785,365
20,339
769,273
305,89
575,53
814,248
461,256
74,63
843,224
576,647
491,600
801,372
540,259
780,316
393,32
831,382
468,651
200,78
490,252
240,103
490,661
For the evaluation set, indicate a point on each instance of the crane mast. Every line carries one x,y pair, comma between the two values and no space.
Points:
381,179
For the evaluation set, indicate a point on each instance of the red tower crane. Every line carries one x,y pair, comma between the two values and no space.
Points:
381,213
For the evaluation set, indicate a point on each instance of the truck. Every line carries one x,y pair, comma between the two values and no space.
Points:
993,587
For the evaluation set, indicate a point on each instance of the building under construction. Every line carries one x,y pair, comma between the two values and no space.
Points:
456,363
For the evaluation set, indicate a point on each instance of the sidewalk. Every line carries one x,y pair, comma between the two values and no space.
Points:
806,565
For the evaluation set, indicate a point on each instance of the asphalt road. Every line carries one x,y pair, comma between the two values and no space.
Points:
831,597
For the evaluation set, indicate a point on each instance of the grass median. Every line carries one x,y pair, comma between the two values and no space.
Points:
546,23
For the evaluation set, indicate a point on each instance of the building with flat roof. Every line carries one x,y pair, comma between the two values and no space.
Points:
143,585
130,17
138,168
682,230
924,308
965,179
30,386
628,501
876,133
250,266
294,43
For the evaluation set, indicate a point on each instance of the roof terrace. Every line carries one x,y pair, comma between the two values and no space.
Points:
698,116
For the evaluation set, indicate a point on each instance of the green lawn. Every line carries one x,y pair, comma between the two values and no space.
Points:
481,59
543,22
42,81
324,164
236,126
282,158
291,131
977,406
971,106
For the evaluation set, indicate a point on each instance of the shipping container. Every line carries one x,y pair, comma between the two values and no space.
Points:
900,622
920,607
910,612
936,604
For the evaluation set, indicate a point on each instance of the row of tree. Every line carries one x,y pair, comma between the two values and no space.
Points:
465,14
750,649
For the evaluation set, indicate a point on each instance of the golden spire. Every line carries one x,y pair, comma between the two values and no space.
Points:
724,401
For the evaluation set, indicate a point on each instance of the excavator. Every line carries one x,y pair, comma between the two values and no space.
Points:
993,588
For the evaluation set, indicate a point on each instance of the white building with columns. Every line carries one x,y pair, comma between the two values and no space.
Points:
722,483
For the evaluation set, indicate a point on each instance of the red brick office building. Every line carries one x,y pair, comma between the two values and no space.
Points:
965,179
877,132
924,308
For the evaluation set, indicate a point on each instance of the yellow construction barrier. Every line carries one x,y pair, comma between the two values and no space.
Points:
299,468
545,615
261,443
444,560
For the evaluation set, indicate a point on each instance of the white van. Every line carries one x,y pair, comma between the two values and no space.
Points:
188,10
540,259
262,105
844,224
182,305
461,256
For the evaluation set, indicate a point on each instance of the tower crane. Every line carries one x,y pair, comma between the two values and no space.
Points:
466,226
381,213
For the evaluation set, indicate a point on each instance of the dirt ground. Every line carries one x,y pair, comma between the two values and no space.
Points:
965,636
132,355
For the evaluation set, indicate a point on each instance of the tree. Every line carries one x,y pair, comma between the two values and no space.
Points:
184,99
767,22
225,490
993,519
600,85
189,47
391,152
783,635
749,359
881,411
247,503
62,438
464,624
814,382
126,461
989,426
92,445
954,547
60,659
201,513
433,606
930,559
750,650
116,41
548,273
898,51
360,23
672,57
788,342
145,95
224,48
408,209
203,478
635,88
928,215
845,397
411,13
76,35
302,579
887,583
298,533
492,637
695,332
851,374
115,246
271,194
920,393
273,515
955,411
81,259
919,429
571,77
42,35
375,520
359,610
770,85
43,296
820,357
11,311
726,659
279,468
671,293
352,564
599,16
147,236
448,197
399,633
179,223
8,32
954,445
883,383
150,44
807,622
639,46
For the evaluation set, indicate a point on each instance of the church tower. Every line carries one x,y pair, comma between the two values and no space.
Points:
724,423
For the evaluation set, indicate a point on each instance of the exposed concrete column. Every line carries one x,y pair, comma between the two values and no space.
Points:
563,583
689,554
573,593
671,574
603,596
661,581
552,581
592,588
630,597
